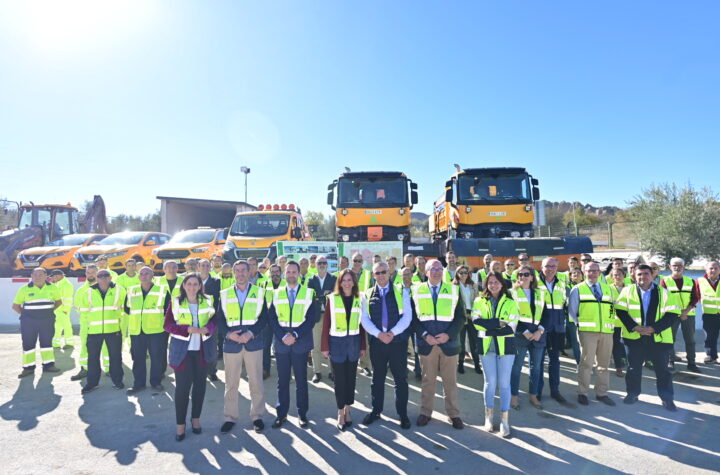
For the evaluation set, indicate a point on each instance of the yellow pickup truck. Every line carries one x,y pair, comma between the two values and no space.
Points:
119,247
200,243
55,255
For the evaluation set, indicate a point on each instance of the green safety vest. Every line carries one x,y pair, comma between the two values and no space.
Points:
183,316
522,301
593,315
147,313
554,300
709,297
37,302
66,290
340,324
397,291
292,317
506,310
162,282
615,292
102,315
127,282
483,273
447,278
249,312
683,294
630,301
364,280
447,300
312,271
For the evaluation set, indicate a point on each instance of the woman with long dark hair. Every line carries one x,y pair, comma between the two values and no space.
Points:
468,292
193,347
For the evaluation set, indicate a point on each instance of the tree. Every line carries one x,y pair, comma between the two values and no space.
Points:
323,225
124,222
677,222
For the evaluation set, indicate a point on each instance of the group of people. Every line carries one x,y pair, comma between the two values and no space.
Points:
370,319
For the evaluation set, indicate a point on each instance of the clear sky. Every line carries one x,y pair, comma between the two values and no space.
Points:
136,99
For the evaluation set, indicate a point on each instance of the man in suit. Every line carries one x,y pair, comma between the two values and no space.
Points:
323,284
211,287
386,316
293,314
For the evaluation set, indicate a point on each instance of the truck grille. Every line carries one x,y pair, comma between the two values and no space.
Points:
173,254
30,258
245,253
87,258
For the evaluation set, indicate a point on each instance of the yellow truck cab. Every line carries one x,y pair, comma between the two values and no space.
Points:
55,254
485,203
254,233
200,243
372,206
119,247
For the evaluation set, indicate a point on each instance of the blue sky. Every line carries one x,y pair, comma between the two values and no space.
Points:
137,99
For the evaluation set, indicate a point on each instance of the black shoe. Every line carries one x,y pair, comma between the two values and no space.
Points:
258,425
213,377
316,378
88,389
197,430
558,397
605,400
227,427
367,372
670,406
81,375
675,358
692,367
583,399
405,422
370,418
539,397
135,390
157,387
118,386
180,437
51,369
478,368
630,399
304,421
461,368
26,372
278,422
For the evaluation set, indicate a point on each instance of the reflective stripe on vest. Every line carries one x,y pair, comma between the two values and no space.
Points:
593,315
684,294
447,300
630,301
183,316
295,316
554,300
147,313
339,325
102,318
249,312
523,304
506,310
710,297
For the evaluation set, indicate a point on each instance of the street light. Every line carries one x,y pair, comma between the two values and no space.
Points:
245,170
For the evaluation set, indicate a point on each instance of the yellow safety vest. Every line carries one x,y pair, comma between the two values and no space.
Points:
249,312
292,317
102,315
147,314
593,315
709,297
630,301
183,316
340,324
522,301
506,310
447,300
683,294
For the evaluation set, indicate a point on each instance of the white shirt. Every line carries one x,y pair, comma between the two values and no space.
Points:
399,327
195,338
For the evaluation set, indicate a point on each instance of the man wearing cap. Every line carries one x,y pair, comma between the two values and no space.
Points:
63,326
36,303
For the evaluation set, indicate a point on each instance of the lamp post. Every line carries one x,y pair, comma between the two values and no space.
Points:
246,171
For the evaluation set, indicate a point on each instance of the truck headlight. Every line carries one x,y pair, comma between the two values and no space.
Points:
467,235
400,237
198,250
155,251
345,237
528,234
515,234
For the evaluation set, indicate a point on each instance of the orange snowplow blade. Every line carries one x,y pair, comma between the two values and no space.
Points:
374,233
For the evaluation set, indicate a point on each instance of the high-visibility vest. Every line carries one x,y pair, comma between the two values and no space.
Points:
102,315
175,293
398,297
126,281
249,312
709,297
147,312
292,317
554,300
66,290
183,315
340,324
522,301
506,310
593,315
684,294
631,301
447,278
37,302
483,273
615,292
364,280
447,300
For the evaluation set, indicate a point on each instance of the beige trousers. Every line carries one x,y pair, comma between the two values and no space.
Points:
436,362
595,349
233,368
317,357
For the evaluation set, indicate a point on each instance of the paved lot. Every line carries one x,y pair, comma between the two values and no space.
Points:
46,426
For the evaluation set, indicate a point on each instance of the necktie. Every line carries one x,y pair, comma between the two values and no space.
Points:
384,310
596,292
291,296
434,294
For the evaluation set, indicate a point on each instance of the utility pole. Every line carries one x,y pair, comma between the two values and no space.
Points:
246,171
574,219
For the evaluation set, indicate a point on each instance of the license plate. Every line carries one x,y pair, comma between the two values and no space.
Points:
32,264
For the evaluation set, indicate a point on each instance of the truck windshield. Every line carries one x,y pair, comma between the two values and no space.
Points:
123,238
195,236
496,187
372,192
257,225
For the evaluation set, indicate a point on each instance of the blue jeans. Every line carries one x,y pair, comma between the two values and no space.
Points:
523,347
496,370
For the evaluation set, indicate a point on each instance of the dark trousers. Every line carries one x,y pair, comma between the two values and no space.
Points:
643,350
34,329
140,346
468,329
711,325
688,333
393,356
345,376
418,369
114,346
571,333
618,351
267,348
297,362
192,378
555,342
165,343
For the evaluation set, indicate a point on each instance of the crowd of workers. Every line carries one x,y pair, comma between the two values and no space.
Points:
371,319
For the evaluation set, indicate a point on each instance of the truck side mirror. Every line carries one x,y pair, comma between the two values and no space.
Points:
297,233
413,197
534,181
536,193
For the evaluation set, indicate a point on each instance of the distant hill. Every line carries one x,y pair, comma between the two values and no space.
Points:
565,206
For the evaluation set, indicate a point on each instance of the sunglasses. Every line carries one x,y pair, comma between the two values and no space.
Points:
523,274
655,268
380,272
358,260
104,276
322,263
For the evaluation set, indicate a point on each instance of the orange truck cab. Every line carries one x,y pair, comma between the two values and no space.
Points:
120,247
55,254
486,203
254,233
372,206
200,243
